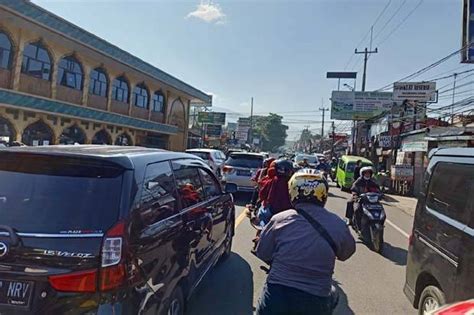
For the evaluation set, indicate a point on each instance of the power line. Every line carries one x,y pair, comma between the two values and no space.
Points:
390,19
401,23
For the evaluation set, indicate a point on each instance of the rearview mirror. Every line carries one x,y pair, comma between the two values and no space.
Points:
230,188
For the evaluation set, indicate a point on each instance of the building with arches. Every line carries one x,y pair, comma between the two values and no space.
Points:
60,84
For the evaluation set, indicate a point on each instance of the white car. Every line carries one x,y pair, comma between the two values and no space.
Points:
214,158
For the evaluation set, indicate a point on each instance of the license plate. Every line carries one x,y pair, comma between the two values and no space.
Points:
243,173
15,293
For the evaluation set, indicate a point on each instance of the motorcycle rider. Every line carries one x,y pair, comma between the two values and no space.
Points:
334,162
259,175
363,184
302,259
357,170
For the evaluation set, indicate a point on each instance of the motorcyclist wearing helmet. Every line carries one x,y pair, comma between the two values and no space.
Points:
363,184
302,260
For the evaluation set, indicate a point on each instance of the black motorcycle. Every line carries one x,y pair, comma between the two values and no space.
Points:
369,219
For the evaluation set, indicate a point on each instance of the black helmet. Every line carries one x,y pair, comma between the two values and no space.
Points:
284,168
268,161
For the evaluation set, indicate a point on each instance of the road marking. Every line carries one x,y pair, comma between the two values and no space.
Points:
240,218
397,228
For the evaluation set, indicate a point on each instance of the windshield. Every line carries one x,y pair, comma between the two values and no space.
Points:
352,165
202,155
62,197
310,158
246,161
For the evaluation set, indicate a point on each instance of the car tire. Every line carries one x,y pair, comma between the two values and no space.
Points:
176,304
430,299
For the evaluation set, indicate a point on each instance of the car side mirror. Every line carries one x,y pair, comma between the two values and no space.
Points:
230,188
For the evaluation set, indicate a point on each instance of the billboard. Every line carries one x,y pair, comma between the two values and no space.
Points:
213,130
424,92
350,105
467,50
211,118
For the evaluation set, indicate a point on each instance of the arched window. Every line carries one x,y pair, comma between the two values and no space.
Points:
102,137
140,95
36,61
38,133
7,133
72,135
120,89
99,83
70,73
158,102
123,139
5,51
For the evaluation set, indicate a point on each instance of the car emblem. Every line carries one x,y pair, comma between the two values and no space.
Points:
3,249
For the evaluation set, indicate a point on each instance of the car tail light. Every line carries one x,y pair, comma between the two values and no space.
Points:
228,169
112,272
83,281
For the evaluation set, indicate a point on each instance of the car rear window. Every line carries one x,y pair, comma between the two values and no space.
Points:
352,165
57,195
310,158
243,160
202,155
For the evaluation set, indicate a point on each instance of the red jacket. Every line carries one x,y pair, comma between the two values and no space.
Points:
265,184
278,197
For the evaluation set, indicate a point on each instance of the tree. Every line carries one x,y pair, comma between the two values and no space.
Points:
271,131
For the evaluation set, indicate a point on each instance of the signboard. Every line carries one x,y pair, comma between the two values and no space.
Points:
385,141
467,50
402,172
211,118
424,92
243,122
213,131
341,75
415,146
350,105
241,135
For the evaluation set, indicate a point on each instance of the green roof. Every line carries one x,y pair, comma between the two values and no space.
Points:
29,102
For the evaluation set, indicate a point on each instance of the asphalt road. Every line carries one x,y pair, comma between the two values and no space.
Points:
368,283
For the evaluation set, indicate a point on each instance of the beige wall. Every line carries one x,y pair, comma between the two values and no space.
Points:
23,32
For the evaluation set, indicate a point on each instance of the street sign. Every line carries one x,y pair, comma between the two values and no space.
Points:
211,118
424,92
243,122
341,75
402,172
467,50
213,131
241,135
350,105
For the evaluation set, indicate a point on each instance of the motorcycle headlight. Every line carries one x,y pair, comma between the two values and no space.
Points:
373,199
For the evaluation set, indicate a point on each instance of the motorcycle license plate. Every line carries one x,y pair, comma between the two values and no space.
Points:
15,293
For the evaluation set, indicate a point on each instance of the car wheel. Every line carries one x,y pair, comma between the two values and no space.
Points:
431,298
176,305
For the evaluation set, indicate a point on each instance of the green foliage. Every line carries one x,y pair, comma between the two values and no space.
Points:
271,130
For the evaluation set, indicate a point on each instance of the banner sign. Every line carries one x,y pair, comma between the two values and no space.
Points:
415,146
467,51
350,105
402,172
211,118
385,141
241,135
424,92
213,131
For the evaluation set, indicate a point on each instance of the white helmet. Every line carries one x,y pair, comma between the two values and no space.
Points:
365,169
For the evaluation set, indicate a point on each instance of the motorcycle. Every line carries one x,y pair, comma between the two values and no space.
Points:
370,224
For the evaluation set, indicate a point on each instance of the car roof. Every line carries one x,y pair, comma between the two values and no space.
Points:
469,152
354,158
202,150
246,154
125,156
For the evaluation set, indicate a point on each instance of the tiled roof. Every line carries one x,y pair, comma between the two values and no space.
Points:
52,106
50,20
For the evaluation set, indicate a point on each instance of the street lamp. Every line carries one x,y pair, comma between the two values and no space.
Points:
349,87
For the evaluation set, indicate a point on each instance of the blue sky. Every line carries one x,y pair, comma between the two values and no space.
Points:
277,51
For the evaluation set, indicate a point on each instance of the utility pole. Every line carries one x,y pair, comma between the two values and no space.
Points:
333,138
322,125
454,94
250,136
366,53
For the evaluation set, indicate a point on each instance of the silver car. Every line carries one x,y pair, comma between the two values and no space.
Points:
239,169
214,158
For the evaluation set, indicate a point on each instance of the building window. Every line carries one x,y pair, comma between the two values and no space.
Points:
158,102
36,62
120,90
70,73
140,94
5,51
98,84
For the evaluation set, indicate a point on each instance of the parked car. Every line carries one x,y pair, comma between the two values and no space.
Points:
214,158
107,229
440,263
345,170
239,169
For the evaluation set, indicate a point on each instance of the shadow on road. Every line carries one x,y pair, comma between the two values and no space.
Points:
396,254
227,289
342,307
387,198
330,194
241,199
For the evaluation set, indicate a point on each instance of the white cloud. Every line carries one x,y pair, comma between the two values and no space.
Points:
208,12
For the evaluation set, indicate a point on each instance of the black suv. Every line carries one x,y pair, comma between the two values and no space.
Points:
440,265
107,230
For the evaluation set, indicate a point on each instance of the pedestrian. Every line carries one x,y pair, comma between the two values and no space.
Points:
301,246
357,169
